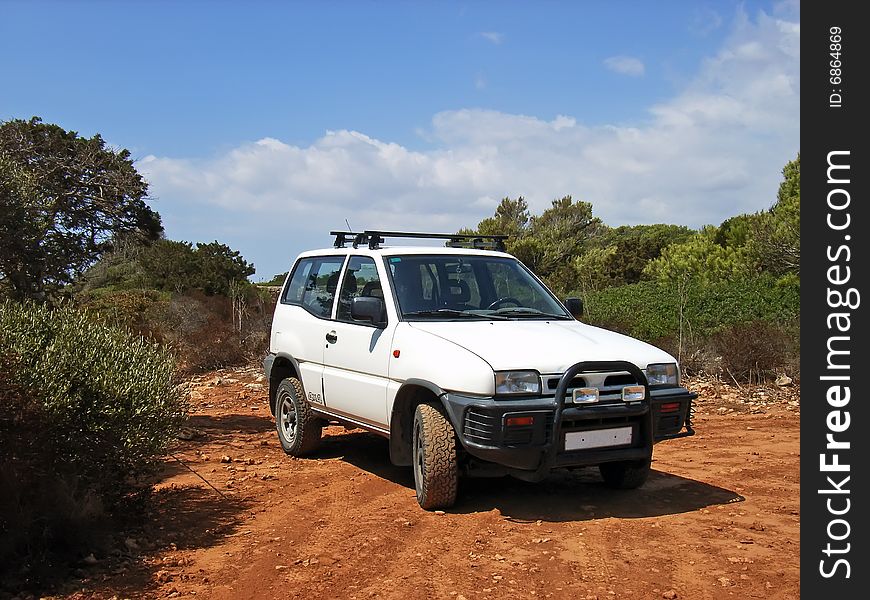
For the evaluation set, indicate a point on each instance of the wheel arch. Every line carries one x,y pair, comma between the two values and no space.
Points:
282,366
412,393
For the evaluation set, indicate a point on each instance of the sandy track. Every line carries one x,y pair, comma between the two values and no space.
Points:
719,518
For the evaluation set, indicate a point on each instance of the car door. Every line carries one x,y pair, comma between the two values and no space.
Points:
301,326
357,356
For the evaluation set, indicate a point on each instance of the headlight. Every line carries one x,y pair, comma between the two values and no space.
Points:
517,382
663,374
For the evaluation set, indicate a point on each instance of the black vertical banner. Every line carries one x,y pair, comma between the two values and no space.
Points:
835,419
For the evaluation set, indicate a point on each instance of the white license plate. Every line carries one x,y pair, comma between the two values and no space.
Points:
599,438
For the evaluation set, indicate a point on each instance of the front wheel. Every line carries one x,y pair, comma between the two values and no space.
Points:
626,474
298,429
436,473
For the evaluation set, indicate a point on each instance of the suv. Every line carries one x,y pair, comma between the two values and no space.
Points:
464,360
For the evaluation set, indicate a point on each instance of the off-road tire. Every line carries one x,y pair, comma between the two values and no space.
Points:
625,475
298,429
436,472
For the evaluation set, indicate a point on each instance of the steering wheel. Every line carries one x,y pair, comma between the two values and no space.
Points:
497,304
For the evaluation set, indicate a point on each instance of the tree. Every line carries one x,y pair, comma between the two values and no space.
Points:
219,267
564,231
63,200
511,218
546,243
627,250
593,272
736,231
776,243
699,261
170,266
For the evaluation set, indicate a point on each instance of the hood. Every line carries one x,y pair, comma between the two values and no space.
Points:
546,346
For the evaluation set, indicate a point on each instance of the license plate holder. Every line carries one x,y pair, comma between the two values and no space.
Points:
598,438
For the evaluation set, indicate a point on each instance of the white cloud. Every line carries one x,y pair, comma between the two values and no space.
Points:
704,21
625,65
494,37
714,150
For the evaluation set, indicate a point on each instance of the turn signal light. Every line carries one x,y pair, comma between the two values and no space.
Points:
670,407
519,421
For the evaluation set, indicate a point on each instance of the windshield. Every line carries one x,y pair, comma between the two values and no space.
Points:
454,287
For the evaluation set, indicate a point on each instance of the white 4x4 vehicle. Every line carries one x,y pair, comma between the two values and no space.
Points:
466,362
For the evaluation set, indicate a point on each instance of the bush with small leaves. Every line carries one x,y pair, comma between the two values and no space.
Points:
110,400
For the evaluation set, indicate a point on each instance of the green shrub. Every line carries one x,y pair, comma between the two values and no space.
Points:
745,326
111,399
650,310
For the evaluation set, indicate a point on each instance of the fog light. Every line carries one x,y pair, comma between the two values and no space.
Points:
585,395
633,393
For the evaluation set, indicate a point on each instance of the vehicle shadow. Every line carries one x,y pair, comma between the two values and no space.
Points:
578,495
582,496
366,451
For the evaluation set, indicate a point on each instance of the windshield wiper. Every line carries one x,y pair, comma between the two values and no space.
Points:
531,312
449,312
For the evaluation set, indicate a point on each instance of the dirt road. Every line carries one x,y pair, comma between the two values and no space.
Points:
719,518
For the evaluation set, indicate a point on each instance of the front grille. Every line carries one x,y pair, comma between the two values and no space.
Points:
609,385
553,383
620,379
480,427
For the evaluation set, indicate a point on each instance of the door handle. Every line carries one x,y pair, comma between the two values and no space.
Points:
331,337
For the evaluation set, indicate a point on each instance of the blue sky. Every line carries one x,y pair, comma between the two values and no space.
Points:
264,124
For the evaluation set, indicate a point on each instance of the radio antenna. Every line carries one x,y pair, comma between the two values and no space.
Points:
349,228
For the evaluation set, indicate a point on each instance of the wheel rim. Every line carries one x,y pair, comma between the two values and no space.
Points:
289,422
418,459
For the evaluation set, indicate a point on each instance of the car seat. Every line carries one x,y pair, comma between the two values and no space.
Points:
372,289
409,289
458,294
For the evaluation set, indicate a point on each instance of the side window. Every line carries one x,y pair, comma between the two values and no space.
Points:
314,284
294,289
360,279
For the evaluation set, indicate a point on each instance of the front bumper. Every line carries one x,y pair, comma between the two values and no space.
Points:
482,428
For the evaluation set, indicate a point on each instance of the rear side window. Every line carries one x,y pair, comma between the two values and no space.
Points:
313,284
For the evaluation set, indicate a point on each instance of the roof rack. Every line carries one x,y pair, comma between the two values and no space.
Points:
375,238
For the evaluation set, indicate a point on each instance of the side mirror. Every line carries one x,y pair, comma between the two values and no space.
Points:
371,309
575,307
